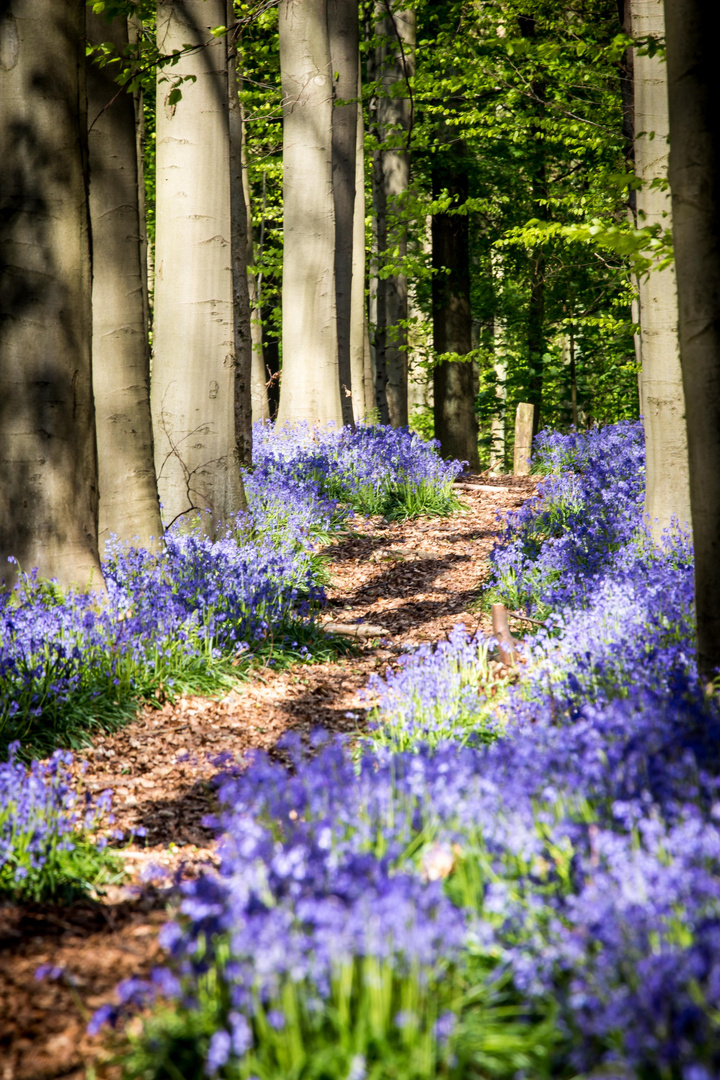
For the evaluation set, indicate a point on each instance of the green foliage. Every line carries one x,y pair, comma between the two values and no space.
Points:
357,1034
84,870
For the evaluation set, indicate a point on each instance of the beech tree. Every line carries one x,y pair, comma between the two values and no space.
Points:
394,65
310,388
453,397
49,492
667,493
240,244
129,505
194,351
694,90
363,387
344,40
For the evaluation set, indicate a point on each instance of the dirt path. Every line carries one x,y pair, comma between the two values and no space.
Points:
417,580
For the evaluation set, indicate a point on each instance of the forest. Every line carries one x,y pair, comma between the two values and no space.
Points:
359,534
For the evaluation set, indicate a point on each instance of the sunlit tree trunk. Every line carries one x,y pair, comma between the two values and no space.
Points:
258,376
194,360
49,490
694,91
240,239
310,388
363,393
454,398
667,494
129,506
499,345
396,64
344,34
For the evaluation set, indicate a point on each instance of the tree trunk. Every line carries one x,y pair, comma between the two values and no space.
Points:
667,493
240,244
344,38
129,507
258,377
536,334
497,424
310,388
49,491
363,396
694,88
396,65
454,398
193,383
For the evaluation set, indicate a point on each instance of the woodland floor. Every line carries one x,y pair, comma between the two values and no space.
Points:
416,579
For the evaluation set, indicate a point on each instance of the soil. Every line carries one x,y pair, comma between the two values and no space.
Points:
416,580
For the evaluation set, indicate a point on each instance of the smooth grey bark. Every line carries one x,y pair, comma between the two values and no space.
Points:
129,507
240,244
454,397
194,362
420,376
344,41
310,387
363,391
49,490
396,27
258,376
498,422
134,37
694,91
667,490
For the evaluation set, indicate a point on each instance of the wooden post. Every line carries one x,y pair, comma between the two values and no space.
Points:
523,438
501,632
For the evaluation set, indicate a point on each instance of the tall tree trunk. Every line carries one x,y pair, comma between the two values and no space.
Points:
240,245
49,490
258,377
667,492
536,334
193,383
363,400
129,506
344,39
499,345
539,192
310,388
694,90
454,398
135,26
396,65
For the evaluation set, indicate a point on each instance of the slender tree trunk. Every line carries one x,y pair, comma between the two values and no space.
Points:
378,292
258,377
49,490
135,39
454,398
536,334
194,362
694,91
667,492
497,424
310,381
420,377
129,507
240,244
396,66
362,389
344,38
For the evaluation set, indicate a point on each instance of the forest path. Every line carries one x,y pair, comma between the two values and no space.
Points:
416,579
